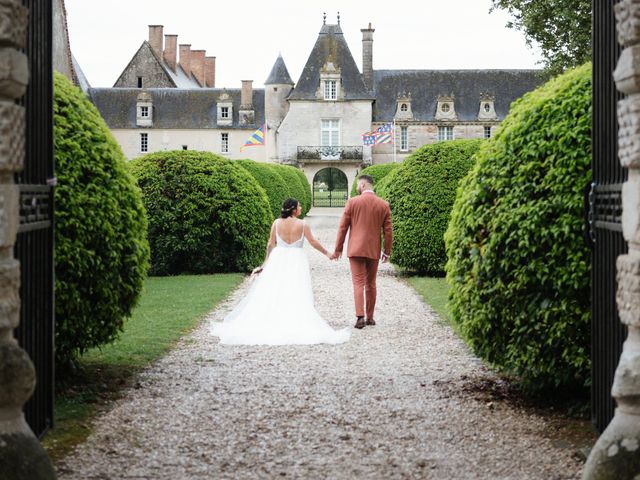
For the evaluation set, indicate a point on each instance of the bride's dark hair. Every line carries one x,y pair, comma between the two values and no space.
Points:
288,207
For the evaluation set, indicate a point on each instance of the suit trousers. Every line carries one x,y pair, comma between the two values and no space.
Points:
363,275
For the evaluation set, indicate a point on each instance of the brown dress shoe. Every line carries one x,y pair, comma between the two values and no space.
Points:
370,321
359,322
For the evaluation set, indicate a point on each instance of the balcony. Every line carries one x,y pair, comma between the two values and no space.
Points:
322,154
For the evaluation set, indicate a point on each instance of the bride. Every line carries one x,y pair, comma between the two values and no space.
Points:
278,309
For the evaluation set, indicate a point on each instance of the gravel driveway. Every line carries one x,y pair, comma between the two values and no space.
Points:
388,404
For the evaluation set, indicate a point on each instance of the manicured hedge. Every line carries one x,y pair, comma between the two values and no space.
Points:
101,243
421,193
306,186
518,266
378,172
296,187
206,214
274,186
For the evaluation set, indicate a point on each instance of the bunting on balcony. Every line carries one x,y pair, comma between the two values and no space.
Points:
382,134
256,139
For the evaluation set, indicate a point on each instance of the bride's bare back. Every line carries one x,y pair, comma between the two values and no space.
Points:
289,229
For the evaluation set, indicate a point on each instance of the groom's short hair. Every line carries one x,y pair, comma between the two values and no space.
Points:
366,178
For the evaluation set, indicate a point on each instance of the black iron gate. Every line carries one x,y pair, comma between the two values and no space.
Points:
605,210
330,188
34,245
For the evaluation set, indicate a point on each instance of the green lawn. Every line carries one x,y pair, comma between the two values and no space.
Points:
434,291
169,308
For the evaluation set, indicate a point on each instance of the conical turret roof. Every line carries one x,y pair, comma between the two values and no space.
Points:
279,74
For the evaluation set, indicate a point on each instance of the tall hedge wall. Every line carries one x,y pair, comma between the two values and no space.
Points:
306,187
296,188
101,243
518,266
206,214
421,194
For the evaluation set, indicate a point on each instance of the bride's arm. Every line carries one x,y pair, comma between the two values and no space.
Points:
272,241
314,243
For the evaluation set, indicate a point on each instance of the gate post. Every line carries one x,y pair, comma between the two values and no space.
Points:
616,454
21,455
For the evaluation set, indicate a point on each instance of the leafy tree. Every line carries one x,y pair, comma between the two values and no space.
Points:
562,29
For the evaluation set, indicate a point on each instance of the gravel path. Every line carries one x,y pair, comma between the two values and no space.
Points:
388,404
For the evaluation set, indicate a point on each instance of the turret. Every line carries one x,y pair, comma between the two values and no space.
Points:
276,90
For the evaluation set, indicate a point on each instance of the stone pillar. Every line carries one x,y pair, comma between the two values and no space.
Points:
616,454
21,455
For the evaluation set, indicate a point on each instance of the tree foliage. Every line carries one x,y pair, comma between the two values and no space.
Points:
561,28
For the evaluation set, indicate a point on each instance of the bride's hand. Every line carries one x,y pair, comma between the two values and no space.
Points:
257,270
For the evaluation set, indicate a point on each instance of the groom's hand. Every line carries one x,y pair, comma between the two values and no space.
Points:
384,257
335,255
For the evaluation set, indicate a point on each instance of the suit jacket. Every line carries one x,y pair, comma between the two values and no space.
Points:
365,217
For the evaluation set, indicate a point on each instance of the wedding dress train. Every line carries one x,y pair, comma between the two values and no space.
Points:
279,309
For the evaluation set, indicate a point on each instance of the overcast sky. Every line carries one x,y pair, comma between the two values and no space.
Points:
246,36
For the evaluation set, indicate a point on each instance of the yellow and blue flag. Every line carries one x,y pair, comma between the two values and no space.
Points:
256,139
382,134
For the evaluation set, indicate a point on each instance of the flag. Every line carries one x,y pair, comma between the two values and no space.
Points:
256,139
382,134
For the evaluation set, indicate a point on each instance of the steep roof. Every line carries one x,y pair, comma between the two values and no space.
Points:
173,108
466,86
279,74
330,46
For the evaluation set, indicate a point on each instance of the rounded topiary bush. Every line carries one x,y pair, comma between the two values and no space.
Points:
296,188
378,172
101,246
272,183
206,214
306,187
518,266
421,194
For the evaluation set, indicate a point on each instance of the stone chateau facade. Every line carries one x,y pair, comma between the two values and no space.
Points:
162,102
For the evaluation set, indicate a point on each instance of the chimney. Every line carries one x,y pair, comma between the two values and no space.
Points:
197,65
185,58
367,56
246,96
155,38
210,71
170,51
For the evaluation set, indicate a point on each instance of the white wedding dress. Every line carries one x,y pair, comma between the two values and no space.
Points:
278,309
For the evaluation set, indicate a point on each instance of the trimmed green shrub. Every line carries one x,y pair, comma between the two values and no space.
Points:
518,267
306,187
101,244
272,183
421,194
206,214
378,172
296,188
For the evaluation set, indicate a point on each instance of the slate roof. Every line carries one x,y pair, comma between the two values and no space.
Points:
83,83
465,85
279,74
173,108
330,46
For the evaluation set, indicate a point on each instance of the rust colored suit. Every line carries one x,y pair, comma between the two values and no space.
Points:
366,217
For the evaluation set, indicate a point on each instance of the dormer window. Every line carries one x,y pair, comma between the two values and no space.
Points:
403,107
330,90
330,84
144,110
446,108
487,110
225,109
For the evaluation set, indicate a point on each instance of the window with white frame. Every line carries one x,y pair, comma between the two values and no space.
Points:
144,142
445,133
224,112
404,139
330,134
487,132
144,112
330,89
224,142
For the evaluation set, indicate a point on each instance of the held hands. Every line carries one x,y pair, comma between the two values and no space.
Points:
335,256
384,258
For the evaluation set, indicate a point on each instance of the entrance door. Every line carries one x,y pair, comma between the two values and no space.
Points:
330,188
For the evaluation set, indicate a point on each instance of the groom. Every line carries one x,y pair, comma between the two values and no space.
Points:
366,216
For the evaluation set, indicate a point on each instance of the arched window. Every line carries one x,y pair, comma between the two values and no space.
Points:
487,107
403,107
445,107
